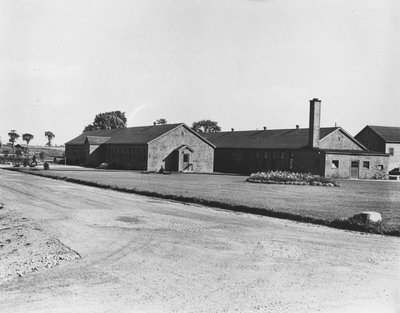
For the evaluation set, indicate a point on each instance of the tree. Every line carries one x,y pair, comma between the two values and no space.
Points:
13,137
27,137
49,135
108,120
206,126
161,121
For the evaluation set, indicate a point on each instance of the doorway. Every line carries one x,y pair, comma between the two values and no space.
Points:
354,169
185,161
180,159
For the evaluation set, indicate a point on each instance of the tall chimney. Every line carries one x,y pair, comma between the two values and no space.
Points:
315,121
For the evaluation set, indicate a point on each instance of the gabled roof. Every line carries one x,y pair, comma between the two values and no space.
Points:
184,147
96,140
18,146
354,140
387,133
130,135
265,139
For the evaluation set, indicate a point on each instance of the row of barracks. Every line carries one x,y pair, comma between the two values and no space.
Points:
330,152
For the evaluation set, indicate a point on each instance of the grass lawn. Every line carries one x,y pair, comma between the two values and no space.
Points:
319,205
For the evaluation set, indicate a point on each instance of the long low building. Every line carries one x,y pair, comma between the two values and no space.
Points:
175,147
330,152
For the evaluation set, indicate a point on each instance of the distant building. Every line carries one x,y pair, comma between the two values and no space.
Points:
383,139
175,147
330,152
19,149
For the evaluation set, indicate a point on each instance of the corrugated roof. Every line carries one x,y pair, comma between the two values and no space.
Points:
265,139
387,133
130,135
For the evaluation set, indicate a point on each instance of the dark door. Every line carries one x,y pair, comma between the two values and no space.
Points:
171,161
354,169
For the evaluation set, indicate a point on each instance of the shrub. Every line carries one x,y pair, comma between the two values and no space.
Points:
103,166
380,175
290,178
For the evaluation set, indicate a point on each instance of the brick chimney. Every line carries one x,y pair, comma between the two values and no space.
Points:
315,121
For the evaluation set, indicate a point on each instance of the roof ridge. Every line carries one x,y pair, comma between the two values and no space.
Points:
383,126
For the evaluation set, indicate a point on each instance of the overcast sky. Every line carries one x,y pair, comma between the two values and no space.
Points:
243,63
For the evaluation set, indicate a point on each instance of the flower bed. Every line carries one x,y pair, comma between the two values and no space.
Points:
289,178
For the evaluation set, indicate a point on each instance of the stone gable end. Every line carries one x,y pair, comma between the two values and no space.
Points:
202,156
338,140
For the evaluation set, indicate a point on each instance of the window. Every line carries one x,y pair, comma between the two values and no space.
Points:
282,155
186,158
380,167
335,164
366,165
391,151
265,155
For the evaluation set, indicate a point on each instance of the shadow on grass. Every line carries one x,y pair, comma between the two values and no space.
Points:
345,224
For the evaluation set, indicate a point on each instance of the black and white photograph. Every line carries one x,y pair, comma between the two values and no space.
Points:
197,156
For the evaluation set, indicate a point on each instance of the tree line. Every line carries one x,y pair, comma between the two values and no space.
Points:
117,119
27,137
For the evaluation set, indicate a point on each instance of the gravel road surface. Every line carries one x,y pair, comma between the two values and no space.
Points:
128,253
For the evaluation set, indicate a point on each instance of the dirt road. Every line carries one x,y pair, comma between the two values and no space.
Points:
139,254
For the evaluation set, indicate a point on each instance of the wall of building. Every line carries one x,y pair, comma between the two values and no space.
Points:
394,160
75,154
93,155
247,161
371,140
338,141
202,157
130,157
309,161
376,164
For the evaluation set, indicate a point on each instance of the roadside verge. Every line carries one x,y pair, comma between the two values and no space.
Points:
340,223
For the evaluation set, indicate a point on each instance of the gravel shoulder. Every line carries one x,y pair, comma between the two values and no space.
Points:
141,254
318,205
25,247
